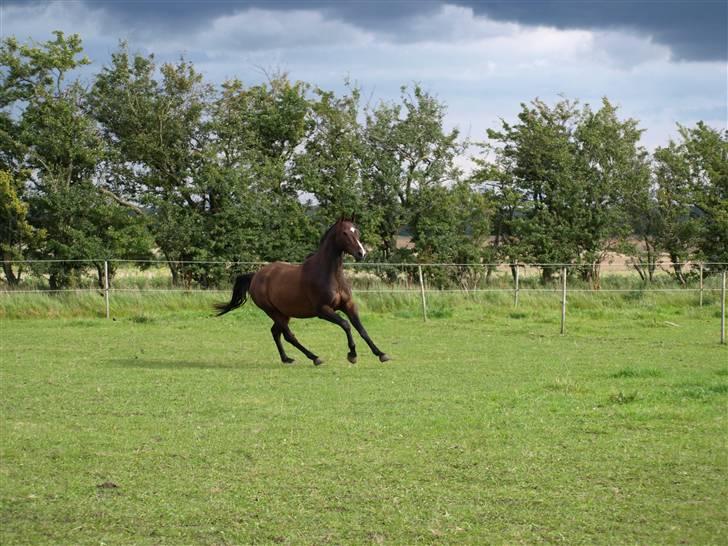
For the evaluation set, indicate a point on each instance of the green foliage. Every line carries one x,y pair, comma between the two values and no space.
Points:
563,179
17,235
407,153
330,167
255,212
57,152
706,149
154,133
691,177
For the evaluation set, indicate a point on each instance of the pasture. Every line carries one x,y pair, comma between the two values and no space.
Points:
169,426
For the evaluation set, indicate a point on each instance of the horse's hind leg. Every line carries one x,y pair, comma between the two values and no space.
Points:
276,330
281,321
290,338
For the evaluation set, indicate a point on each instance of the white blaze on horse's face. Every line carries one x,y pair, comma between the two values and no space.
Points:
349,241
358,242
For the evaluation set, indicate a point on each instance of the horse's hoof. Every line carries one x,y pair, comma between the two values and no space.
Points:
318,361
351,358
384,358
288,360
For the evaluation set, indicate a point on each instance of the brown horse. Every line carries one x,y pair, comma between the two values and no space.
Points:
316,288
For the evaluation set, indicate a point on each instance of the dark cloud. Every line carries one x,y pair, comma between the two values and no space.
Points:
694,30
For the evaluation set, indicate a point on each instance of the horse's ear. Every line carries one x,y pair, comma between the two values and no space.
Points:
353,218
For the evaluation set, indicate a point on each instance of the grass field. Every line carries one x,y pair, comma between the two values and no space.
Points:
168,426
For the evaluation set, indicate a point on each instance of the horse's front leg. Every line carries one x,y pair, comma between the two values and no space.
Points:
325,312
351,311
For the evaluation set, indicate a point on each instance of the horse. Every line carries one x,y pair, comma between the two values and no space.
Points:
315,288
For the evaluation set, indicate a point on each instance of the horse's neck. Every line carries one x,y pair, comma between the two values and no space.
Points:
329,258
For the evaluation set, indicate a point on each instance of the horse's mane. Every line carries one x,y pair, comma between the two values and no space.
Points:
323,238
328,232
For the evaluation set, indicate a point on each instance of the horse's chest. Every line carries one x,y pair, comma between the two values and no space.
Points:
336,293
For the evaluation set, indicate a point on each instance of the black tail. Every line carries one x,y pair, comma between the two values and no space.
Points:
240,294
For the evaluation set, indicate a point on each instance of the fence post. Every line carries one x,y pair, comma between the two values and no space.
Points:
422,293
722,310
516,288
563,300
106,287
701,284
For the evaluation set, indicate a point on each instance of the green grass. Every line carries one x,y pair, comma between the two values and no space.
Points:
168,426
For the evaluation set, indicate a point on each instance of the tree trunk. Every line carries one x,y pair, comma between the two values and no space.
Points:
10,276
496,245
646,267
651,260
547,274
677,268
596,275
175,272
514,269
100,274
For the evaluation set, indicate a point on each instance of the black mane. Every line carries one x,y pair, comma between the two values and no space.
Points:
328,232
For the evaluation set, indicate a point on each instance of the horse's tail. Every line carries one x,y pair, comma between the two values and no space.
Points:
240,294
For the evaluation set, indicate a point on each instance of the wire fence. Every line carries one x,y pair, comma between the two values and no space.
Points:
423,280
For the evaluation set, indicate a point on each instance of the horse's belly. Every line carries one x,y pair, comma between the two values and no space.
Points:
291,303
281,289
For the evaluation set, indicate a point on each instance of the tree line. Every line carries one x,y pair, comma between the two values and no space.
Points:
152,161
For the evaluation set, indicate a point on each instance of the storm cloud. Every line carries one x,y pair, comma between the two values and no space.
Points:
661,62
692,30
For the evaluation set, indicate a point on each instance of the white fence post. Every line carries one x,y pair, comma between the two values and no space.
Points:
422,293
701,285
106,287
722,310
563,300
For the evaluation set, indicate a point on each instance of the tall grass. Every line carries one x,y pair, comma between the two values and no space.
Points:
405,304
91,304
364,276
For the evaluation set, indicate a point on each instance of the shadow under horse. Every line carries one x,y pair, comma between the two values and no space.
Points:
315,288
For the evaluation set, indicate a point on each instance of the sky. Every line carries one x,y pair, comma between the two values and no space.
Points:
662,62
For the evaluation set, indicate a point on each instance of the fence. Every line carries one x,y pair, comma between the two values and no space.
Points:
424,279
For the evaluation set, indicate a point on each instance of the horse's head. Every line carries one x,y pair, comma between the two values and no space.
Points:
347,239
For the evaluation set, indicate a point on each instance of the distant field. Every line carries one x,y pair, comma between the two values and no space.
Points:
168,426
615,274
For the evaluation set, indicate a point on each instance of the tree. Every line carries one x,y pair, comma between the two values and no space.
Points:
678,228
613,169
563,177
330,165
538,160
500,188
258,134
57,143
452,225
646,222
17,235
407,151
685,211
706,150
155,135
